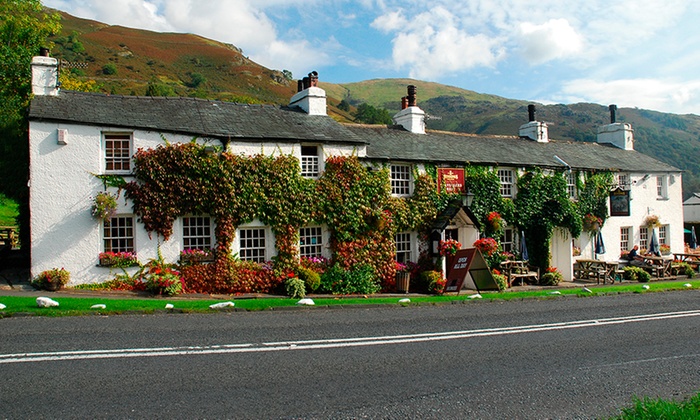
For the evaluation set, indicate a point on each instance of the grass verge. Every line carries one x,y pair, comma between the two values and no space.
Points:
68,306
653,409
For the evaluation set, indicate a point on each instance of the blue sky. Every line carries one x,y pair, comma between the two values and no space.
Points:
634,53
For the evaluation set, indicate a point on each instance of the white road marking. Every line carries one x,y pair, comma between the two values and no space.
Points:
329,343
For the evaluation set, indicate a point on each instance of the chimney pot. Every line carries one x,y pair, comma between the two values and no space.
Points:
404,102
300,85
531,112
411,95
313,79
44,52
613,111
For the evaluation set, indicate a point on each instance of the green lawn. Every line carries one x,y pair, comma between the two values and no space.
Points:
8,211
81,305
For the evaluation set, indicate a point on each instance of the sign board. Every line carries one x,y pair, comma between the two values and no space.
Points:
450,180
469,261
619,202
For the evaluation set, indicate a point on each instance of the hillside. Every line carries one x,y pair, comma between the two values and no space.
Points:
124,61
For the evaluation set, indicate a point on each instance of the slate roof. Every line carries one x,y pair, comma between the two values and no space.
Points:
231,121
191,116
395,143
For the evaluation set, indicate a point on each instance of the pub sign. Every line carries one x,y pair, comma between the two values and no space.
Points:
619,202
450,180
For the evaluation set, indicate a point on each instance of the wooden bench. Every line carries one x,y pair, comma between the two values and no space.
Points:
520,270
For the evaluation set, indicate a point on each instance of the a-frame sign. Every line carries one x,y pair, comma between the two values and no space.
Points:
469,261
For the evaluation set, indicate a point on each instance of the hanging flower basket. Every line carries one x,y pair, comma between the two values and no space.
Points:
591,222
495,221
105,206
192,256
449,247
652,221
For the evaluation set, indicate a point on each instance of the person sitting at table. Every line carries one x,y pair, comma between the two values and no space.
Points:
634,257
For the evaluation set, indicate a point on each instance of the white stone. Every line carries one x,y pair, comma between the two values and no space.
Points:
222,305
2,306
169,306
405,300
306,301
99,306
474,296
587,290
44,302
556,292
646,287
688,285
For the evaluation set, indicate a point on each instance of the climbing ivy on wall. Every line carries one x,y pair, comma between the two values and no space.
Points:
593,193
541,205
486,187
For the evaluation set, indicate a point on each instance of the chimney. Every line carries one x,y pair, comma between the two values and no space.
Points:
44,74
310,97
620,135
410,117
534,130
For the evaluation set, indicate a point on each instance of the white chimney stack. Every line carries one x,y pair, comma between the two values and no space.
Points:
618,134
44,74
310,97
410,117
534,130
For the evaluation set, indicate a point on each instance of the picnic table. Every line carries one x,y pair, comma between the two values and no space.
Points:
692,259
519,270
658,266
586,269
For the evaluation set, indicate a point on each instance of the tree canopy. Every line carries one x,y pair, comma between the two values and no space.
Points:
24,28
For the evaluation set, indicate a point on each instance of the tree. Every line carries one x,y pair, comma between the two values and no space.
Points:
24,27
370,115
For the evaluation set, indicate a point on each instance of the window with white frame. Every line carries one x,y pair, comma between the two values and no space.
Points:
643,237
505,176
663,235
571,184
117,152
507,240
661,187
309,161
118,234
252,245
196,232
625,238
403,247
311,241
622,181
401,180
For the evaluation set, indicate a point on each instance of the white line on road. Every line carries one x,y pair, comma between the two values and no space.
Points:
329,343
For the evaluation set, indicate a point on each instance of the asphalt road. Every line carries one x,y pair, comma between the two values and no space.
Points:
555,358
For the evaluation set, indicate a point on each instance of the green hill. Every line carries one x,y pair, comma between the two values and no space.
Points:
124,61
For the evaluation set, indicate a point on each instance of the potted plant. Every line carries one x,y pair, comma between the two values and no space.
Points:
104,206
449,247
552,277
161,279
403,276
52,280
665,249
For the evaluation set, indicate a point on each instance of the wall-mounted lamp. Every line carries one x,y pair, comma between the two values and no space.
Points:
645,177
467,199
62,136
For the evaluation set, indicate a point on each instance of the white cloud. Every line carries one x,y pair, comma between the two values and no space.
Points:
662,95
553,39
431,44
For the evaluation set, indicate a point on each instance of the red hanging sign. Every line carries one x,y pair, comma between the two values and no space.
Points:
450,180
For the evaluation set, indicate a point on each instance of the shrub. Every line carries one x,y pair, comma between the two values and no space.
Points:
434,281
500,280
161,278
311,279
51,279
551,278
295,287
360,280
109,69
684,268
637,273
